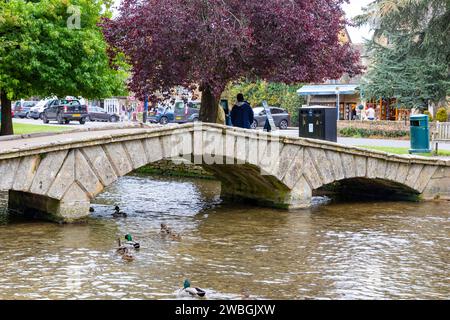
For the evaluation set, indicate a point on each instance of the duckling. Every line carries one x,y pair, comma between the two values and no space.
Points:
131,242
191,292
117,213
91,209
165,229
175,236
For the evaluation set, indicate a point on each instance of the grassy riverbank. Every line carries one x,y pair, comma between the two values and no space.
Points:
24,128
396,150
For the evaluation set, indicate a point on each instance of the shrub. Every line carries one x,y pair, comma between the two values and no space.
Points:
366,133
441,115
430,117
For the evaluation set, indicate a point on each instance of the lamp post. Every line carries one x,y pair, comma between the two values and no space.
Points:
145,109
338,103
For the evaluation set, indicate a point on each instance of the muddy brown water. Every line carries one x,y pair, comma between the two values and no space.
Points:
372,250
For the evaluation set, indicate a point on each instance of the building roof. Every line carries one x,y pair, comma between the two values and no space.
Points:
327,89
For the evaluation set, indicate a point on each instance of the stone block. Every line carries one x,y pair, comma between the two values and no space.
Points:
8,169
425,177
85,177
402,173
336,164
46,173
285,159
323,165
118,158
413,175
153,148
100,164
310,171
348,163
213,147
65,177
26,171
136,153
391,170
295,171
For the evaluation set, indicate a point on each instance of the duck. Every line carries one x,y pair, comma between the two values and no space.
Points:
131,242
125,252
165,230
190,291
118,214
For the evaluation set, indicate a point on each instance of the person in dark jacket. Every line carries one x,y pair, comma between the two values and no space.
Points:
242,113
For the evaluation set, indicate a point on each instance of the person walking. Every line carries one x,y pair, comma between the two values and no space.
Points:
242,113
371,113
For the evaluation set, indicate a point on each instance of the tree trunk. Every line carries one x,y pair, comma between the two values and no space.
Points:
7,126
210,105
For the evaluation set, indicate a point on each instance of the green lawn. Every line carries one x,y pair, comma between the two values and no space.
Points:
404,151
22,128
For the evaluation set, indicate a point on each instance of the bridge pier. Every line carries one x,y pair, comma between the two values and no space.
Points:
46,208
245,183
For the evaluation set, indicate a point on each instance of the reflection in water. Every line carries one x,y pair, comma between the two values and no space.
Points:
356,250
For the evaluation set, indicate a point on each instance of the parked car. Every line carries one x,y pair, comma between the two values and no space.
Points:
100,114
22,108
37,111
65,111
163,114
280,116
187,111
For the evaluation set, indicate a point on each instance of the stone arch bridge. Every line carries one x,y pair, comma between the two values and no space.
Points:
58,175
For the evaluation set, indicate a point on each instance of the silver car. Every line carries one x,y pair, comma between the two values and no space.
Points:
280,116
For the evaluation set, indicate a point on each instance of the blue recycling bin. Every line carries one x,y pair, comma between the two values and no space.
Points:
420,134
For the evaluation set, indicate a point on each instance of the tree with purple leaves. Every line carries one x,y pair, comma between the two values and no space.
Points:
212,42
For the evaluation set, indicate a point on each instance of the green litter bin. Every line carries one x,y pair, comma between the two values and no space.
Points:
420,134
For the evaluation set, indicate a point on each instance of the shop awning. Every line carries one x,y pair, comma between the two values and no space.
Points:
325,90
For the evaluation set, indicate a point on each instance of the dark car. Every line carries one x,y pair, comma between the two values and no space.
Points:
162,114
187,111
65,111
22,108
280,116
99,114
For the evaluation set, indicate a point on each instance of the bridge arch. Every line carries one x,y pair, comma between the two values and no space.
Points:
60,178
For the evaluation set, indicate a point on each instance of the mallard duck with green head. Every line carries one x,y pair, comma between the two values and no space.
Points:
191,291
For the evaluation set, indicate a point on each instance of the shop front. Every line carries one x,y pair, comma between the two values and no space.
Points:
345,96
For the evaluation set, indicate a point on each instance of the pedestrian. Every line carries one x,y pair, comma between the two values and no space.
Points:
242,113
129,111
371,113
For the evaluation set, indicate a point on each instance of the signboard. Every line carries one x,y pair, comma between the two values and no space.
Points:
269,116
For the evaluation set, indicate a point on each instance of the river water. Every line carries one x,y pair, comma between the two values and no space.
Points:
376,250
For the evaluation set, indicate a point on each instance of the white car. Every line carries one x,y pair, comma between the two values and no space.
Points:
36,111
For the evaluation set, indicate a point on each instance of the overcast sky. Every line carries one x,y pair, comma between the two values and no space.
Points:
352,9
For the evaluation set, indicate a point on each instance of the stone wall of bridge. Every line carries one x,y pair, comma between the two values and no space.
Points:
59,178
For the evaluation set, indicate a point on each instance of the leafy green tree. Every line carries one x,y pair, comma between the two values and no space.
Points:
410,51
401,70
276,94
54,47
